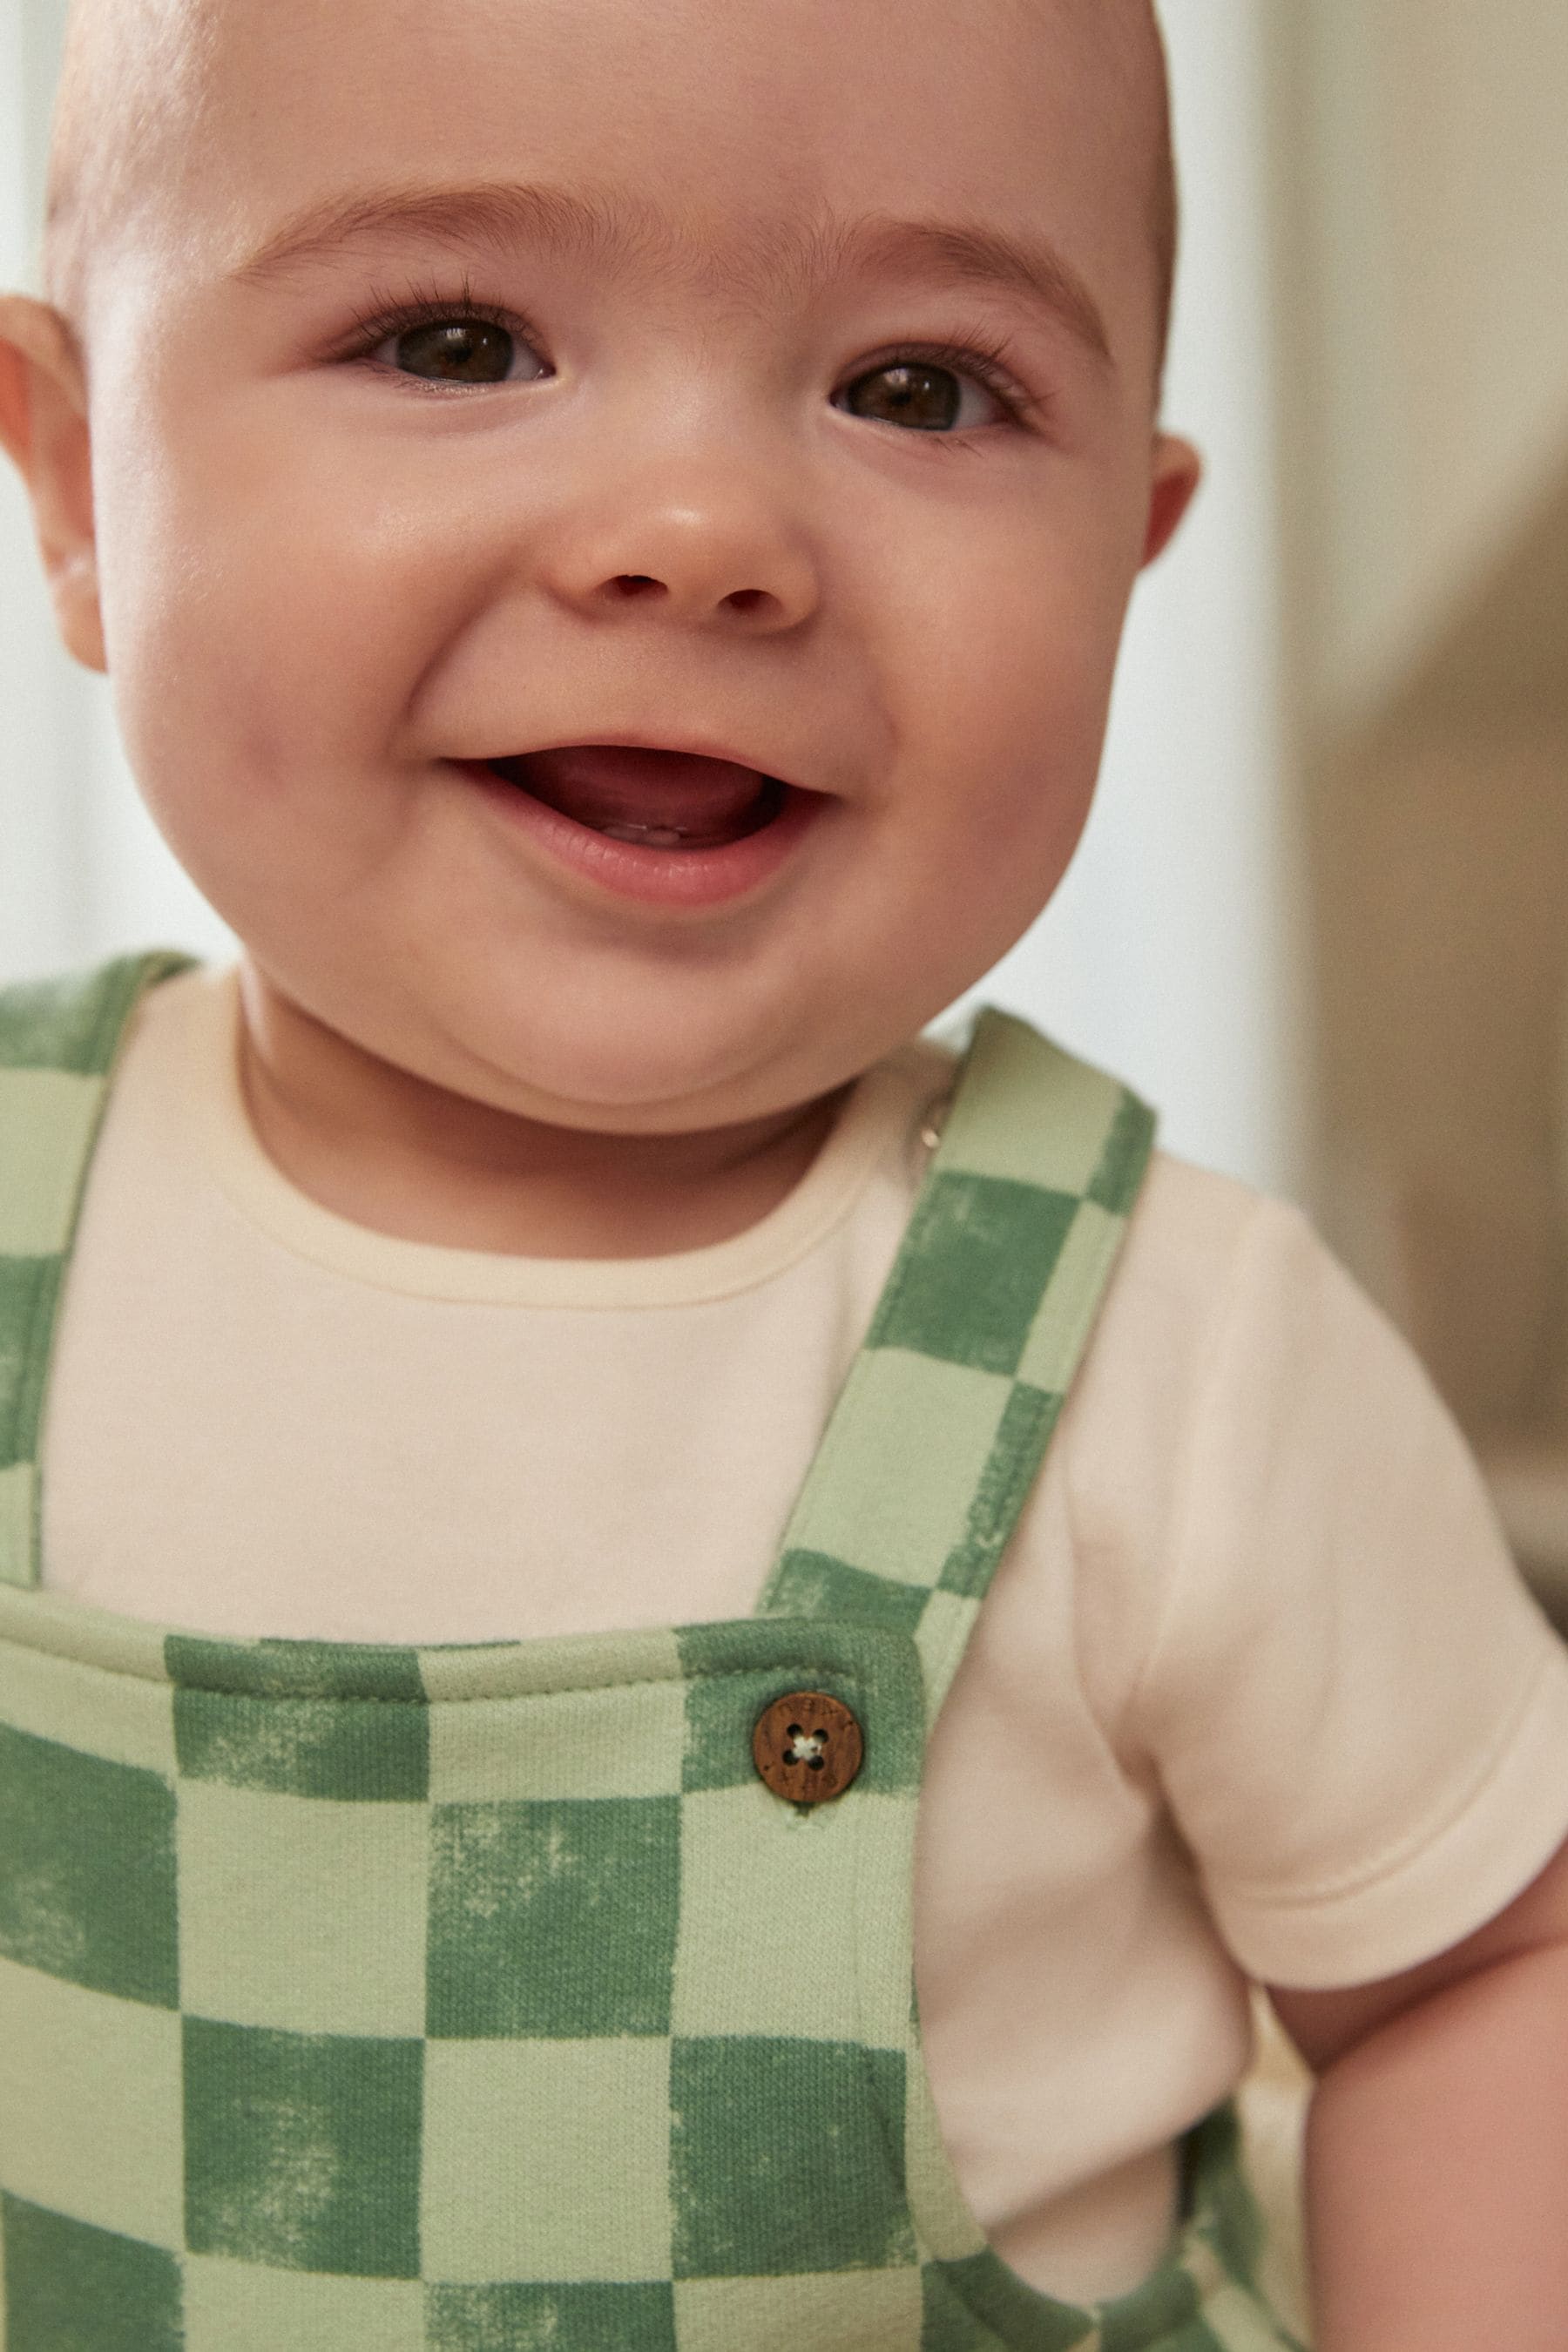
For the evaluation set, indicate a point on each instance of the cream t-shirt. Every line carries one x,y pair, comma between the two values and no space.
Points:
1257,1690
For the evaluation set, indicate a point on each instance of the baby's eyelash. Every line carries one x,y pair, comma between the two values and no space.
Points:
988,360
423,308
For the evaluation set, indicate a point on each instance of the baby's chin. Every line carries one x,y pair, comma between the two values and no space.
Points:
587,1050
631,1073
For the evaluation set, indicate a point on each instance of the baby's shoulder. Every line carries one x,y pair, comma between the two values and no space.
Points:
1201,1246
1228,1310
1205,1260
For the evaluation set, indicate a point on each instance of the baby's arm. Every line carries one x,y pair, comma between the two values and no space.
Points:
1437,2142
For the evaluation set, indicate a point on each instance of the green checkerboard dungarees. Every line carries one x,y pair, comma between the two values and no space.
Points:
362,1999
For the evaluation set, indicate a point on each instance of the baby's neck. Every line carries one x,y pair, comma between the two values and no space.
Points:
389,1151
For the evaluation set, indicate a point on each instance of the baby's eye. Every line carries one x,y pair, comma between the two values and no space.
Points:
925,393
452,351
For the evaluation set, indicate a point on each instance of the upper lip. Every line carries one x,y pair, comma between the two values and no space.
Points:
694,747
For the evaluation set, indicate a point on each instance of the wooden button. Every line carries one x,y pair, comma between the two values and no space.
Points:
807,1748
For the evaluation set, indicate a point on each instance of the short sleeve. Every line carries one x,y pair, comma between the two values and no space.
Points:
1358,1714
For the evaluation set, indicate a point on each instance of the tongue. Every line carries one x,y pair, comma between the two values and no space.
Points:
614,786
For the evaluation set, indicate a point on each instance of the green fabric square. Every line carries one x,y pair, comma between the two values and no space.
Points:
980,2306
1115,1182
1216,2192
302,1718
356,1750
86,1870
550,2318
978,1255
814,1584
18,1524
71,2288
73,1020
29,1291
787,2157
947,2321
1164,2310
302,2151
553,1918
360,1751
1005,1484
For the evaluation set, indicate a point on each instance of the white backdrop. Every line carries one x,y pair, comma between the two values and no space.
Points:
1167,954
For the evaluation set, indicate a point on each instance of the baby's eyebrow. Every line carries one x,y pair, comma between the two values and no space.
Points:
610,229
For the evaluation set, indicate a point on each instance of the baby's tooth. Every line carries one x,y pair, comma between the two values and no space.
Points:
646,836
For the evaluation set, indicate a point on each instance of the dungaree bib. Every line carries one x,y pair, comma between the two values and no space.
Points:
486,1997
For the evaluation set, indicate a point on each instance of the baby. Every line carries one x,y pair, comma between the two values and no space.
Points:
609,522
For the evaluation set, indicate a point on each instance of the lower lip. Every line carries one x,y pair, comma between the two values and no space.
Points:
662,877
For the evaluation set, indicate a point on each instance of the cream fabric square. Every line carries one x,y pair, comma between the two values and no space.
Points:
306,1916
91,2122
520,2138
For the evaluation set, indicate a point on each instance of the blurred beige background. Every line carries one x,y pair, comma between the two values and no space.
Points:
1421,231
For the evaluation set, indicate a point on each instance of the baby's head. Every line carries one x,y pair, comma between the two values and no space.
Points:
466,380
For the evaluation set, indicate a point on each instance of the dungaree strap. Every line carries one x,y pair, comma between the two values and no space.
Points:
59,1041
943,1422
943,1425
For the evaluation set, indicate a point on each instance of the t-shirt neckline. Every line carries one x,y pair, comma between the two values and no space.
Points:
877,1114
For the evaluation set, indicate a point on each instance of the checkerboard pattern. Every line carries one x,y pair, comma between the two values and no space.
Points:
59,1039
941,1428
482,1999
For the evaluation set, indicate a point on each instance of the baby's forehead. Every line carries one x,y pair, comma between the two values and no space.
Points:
132,80
142,80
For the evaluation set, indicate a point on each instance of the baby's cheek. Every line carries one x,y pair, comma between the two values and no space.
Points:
952,888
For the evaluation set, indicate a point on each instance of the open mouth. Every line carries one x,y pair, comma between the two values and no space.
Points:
651,799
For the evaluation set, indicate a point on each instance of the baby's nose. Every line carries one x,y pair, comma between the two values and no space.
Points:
719,553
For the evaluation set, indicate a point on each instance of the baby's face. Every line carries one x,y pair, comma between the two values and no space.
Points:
689,448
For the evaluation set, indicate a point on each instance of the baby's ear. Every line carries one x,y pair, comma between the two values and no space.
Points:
43,428
1178,471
